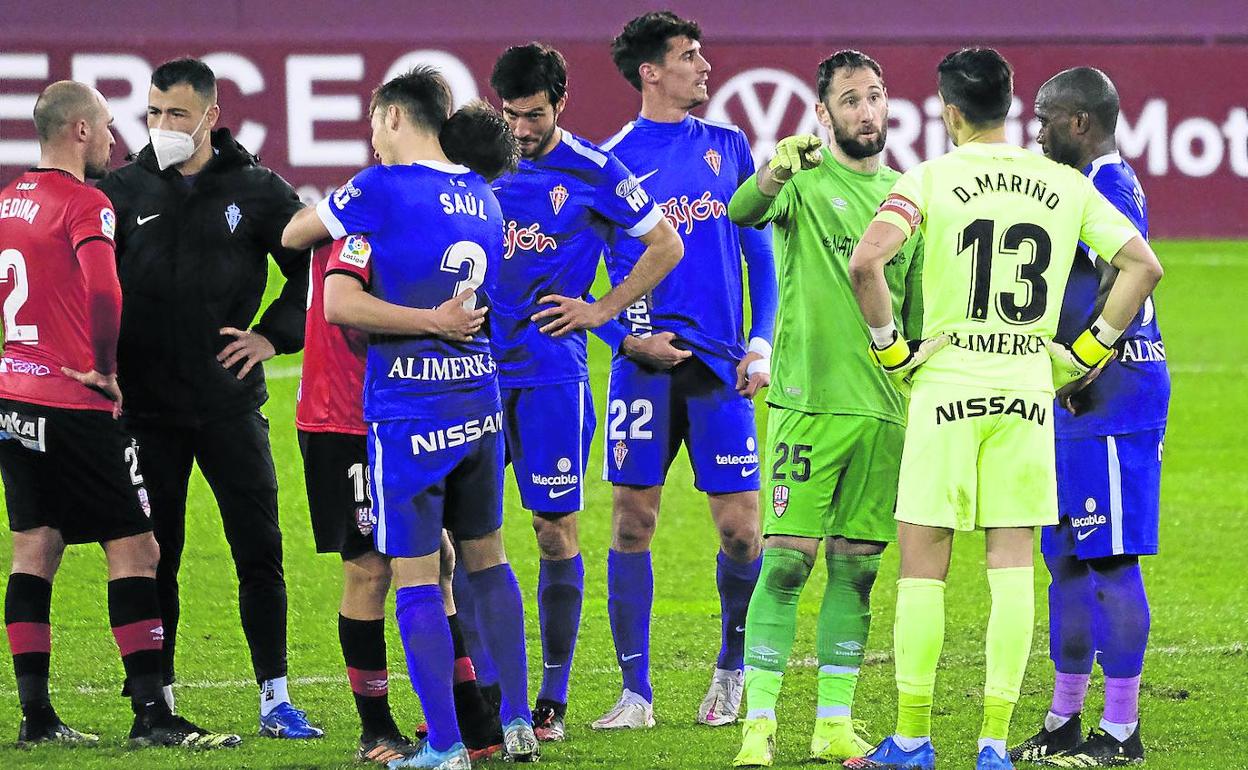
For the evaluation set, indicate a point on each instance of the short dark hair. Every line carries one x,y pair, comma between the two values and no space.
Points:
979,82
848,59
62,103
476,136
525,70
193,72
421,93
1084,89
644,39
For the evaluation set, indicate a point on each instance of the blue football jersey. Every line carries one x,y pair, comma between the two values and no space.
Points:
560,211
691,168
1133,393
435,230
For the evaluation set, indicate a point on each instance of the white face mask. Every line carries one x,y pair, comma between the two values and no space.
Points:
174,147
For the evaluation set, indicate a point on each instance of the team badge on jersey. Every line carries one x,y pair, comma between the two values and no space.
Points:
619,451
108,223
780,500
558,196
713,160
356,251
233,215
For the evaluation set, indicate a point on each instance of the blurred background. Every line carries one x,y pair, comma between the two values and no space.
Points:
296,76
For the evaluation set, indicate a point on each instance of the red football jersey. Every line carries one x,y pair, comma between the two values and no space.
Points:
45,215
331,393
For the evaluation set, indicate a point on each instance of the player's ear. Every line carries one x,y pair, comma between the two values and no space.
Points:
561,105
1081,122
648,71
393,117
212,116
821,114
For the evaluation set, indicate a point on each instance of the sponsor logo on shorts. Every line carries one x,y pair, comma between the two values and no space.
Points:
365,519
24,430
561,480
981,406
1095,520
18,366
145,502
448,369
457,435
750,458
619,451
780,500
1003,343
1081,536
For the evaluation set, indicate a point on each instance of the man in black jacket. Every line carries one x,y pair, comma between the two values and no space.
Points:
197,217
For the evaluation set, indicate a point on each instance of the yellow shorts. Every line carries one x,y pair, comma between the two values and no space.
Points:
978,458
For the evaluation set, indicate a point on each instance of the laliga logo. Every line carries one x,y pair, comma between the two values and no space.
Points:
529,238
788,100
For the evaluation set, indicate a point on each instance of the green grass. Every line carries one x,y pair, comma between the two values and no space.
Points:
1195,673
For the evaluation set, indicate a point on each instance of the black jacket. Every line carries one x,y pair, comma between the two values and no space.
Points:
193,259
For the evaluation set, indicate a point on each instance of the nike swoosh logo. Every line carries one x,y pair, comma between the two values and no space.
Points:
740,629
145,220
561,493
627,658
644,177
750,472
557,665
1081,536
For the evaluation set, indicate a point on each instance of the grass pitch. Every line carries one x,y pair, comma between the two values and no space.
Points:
1195,673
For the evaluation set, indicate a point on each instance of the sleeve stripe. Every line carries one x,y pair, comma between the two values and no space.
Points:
341,271
648,223
581,149
106,239
335,228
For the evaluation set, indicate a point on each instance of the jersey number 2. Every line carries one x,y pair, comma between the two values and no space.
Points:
459,253
978,236
13,269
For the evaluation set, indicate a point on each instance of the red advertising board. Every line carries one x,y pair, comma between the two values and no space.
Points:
302,107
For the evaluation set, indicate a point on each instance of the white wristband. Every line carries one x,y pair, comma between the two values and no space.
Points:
760,346
883,336
1104,333
759,366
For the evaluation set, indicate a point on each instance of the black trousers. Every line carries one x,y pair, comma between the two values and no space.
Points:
234,455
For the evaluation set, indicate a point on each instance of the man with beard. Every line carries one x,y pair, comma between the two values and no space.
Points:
689,376
833,443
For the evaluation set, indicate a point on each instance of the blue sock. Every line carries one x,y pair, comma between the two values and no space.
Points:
430,659
1122,617
501,618
630,597
736,585
560,587
1071,600
470,625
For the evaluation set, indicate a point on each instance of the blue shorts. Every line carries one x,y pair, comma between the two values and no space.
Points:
548,430
1108,496
429,475
649,415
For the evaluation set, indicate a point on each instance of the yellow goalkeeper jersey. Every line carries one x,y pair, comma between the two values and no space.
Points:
1000,226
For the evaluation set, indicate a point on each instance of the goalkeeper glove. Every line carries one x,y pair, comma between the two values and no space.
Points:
794,154
1075,361
901,357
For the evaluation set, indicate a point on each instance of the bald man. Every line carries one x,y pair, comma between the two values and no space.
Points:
1109,446
70,473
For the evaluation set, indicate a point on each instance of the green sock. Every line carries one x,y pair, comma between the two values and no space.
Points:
770,626
918,635
844,620
1008,643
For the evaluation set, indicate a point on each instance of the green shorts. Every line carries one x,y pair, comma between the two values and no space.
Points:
978,457
831,475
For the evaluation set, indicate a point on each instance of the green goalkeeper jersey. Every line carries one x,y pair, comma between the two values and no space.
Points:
1000,225
819,359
